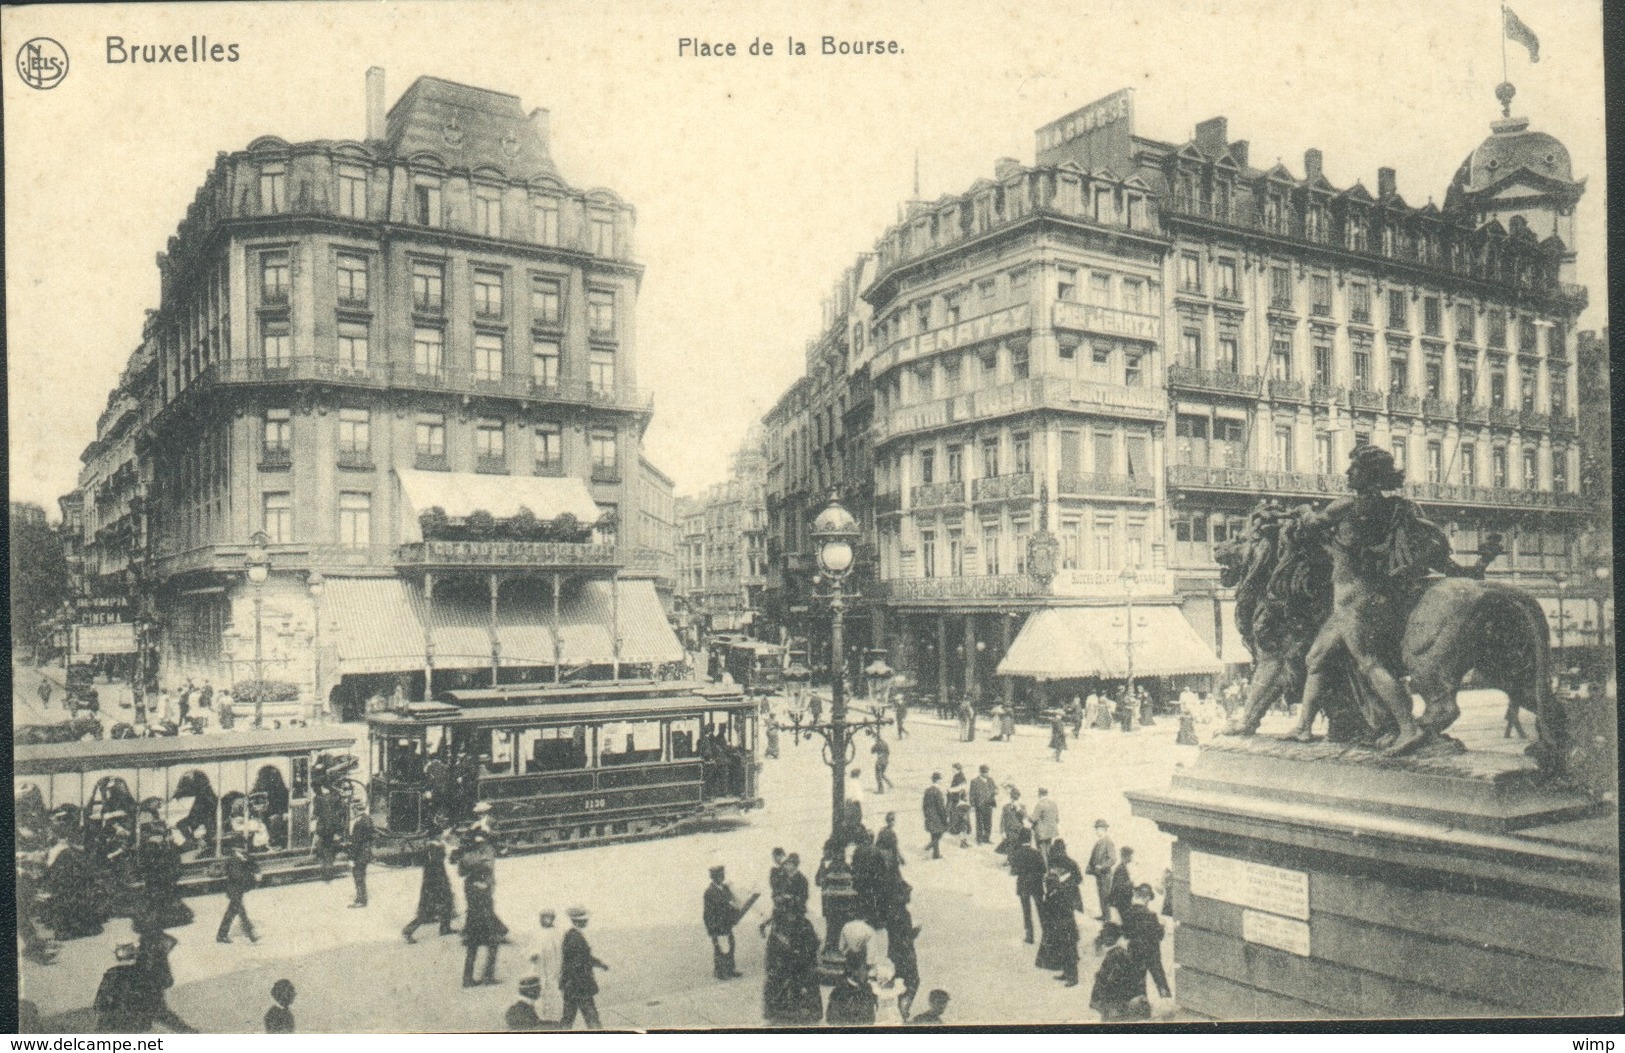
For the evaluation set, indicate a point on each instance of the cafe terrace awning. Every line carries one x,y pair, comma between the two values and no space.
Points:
379,624
1064,643
459,493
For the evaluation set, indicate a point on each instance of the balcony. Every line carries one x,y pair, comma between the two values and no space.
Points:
606,473
1564,424
427,462
356,460
1504,417
278,459
1287,390
1003,488
938,495
549,468
1535,420
1472,413
1410,405
1324,394
1022,396
491,465
1253,481
1366,399
1497,497
1438,409
1103,484
428,555
232,559
1214,380
888,504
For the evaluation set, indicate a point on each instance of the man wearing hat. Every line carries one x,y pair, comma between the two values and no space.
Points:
521,1016
577,983
935,808
1102,861
241,873
1046,820
481,926
984,794
362,835
721,914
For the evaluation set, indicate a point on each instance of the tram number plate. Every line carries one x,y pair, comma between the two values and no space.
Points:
593,804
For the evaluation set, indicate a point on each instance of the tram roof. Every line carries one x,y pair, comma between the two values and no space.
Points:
596,689
46,758
597,710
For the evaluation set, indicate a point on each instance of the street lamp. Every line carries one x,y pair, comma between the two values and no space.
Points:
834,531
259,568
1562,618
314,582
1129,577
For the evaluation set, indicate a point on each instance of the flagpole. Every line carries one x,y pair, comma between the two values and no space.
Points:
1503,43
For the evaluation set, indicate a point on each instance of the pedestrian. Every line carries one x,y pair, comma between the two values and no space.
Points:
1057,737
188,693
1512,721
544,958
984,795
152,963
852,1000
1074,715
435,902
521,1016
121,998
1122,893
481,926
1144,933
1046,820
1119,988
1102,860
1125,711
1012,821
205,698
721,914
44,693
226,705
1007,724
241,874
998,722
872,877
817,708
938,1001
76,906
775,888
959,806
362,836
792,994
901,710
279,1018
886,841
935,808
854,798
967,718
1059,947
1027,864
882,753
901,933
772,731
794,891
577,983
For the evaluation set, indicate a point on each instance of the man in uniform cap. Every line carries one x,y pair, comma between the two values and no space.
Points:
721,915
577,983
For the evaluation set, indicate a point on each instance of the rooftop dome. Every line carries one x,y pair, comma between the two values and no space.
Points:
1511,147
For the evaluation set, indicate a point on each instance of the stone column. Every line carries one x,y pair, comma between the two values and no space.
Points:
942,659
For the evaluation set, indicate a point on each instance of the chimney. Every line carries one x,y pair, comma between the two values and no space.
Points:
541,127
1312,164
1005,167
1210,136
1238,152
1385,182
375,103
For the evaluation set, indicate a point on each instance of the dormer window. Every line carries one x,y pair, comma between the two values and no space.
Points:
352,191
426,205
602,228
488,212
274,188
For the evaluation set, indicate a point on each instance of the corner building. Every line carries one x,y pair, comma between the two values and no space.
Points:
409,361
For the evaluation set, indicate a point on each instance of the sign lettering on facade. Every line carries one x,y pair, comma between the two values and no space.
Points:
1246,884
1096,319
1111,109
1272,930
116,638
985,327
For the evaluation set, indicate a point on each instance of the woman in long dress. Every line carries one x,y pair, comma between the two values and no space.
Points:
1059,947
791,994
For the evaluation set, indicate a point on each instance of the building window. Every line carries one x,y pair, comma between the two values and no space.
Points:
956,463
488,356
490,443
1281,288
1435,462
990,457
952,303
1498,386
353,346
1560,470
1100,289
277,441
1323,361
1362,367
544,364
1397,309
1498,328
355,519
987,287
601,311
1284,459
1281,354
274,278
488,212
430,437
928,466
1498,467
276,517
1401,451
1465,324
1136,453
607,530
1433,375
1190,348
1019,277
545,214
488,294
922,315
549,449
428,286
1320,295
1531,469
1432,316
1021,453
1190,441
1225,285
1066,284
1467,382
1469,464
352,275
1323,453
601,370
1526,386
426,202
352,192
956,553
1190,272
1019,363
355,432
1399,370
1559,385
428,351
1133,294
602,229
606,457
273,188
991,538
274,343
545,301
1360,304
928,553
1556,338
1133,368
1528,342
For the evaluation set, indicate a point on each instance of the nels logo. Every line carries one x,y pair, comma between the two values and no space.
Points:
42,63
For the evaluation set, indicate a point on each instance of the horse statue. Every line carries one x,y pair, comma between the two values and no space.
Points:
1455,626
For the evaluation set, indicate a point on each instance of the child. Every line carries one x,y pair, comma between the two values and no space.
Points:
938,999
278,1018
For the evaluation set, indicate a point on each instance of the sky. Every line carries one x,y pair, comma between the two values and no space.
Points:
757,180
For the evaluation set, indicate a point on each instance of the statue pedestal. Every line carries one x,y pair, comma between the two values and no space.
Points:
1316,880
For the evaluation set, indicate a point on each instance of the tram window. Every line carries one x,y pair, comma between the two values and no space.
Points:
500,761
553,749
300,788
685,738
406,759
629,742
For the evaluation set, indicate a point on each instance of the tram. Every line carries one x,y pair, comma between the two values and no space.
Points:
565,764
755,665
259,784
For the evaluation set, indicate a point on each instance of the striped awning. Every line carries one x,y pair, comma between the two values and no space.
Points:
380,625
1064,643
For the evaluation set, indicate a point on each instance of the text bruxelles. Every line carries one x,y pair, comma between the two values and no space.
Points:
197,50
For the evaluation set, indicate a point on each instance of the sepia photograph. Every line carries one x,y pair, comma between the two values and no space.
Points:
757,515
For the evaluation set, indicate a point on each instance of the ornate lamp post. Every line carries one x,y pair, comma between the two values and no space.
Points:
1562,618
1129,577
834,532
317,586
259,568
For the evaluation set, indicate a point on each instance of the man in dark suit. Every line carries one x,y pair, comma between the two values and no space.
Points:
241,874
1122,893
935,808
577,983
872,877
984,794
1144,932
362,835
1102,858
1027,864
721,915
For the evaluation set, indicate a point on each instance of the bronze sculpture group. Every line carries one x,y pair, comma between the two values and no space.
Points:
1352,608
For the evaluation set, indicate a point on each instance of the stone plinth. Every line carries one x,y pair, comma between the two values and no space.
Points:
1314,880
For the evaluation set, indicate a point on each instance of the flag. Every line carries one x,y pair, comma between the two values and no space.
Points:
1519,33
